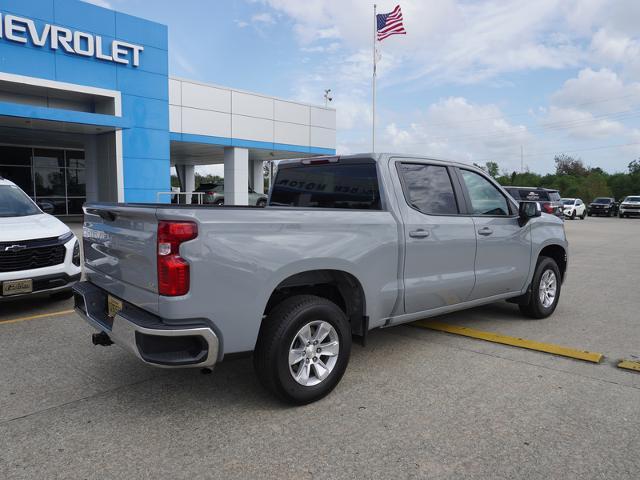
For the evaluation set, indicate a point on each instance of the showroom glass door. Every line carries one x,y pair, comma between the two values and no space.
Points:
54,178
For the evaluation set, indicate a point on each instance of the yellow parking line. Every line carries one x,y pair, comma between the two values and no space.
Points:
629,365
35,317
513,341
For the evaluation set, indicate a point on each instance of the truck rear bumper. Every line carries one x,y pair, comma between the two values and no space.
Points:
145,335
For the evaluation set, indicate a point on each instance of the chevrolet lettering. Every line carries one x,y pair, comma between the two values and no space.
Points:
22,30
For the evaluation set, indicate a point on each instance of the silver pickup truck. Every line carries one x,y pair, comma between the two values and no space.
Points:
347,244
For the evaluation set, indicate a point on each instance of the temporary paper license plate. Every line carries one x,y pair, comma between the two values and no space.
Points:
16,287
113,306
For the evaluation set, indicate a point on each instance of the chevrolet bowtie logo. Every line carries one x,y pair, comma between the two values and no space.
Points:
15,248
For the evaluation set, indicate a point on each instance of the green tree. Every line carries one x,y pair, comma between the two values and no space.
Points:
568,165
634,167
594,185
492,168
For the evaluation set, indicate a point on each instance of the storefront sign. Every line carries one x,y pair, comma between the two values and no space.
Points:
22,30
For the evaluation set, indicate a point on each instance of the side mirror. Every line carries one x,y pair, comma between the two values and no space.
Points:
528,210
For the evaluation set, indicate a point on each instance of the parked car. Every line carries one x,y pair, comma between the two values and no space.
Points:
630,206
574,207
548,199
38,253
346,245
603,206
214,194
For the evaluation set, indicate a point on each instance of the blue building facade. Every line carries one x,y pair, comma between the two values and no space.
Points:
78,78
143,88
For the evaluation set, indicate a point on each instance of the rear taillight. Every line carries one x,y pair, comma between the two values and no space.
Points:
173,270
547,207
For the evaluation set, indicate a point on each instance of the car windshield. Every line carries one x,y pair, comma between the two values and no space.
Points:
602,200
568,201
15,203
632,199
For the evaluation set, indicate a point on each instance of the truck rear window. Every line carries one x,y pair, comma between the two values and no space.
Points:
335,185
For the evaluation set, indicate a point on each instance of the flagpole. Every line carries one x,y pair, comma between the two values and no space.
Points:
373,84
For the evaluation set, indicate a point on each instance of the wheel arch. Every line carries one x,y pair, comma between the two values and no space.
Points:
559,254
338,286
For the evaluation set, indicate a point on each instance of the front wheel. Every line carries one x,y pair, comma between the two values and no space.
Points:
545,289
303,349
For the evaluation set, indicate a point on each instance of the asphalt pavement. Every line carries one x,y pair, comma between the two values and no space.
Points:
414,403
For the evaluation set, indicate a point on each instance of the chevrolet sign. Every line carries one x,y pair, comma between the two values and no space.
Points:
21,30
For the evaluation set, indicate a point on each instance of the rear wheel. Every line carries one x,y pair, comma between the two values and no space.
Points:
584,214
261,203
303,349
545,289
219,202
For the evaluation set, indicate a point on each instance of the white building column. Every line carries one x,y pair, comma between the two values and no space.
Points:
257,176
236,176
187,176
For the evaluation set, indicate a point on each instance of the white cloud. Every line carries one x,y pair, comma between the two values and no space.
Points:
580,124
457,129
601,91
241,23
262,18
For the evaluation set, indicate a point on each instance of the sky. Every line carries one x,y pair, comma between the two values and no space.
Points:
511,81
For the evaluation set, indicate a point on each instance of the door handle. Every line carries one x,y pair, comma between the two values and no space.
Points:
485,231
420,233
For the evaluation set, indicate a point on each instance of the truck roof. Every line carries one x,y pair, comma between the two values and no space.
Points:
377,157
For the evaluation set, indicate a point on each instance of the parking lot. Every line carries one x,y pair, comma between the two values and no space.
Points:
414,403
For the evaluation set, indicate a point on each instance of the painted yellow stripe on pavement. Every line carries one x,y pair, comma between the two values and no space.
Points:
35,317
513,341
629,365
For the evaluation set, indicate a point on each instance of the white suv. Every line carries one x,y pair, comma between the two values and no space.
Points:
38,253
573,207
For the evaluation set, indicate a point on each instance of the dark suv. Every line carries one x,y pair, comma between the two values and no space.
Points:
603,206
548,199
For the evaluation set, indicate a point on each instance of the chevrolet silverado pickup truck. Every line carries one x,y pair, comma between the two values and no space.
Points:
347,244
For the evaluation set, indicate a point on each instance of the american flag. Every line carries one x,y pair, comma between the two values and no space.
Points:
390,24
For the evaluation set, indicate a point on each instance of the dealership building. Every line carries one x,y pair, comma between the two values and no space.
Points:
89,112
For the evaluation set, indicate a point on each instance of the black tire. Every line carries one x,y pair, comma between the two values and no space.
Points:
589,214
64,295
261,203
219,202
277,333
535,308
584,214
573,215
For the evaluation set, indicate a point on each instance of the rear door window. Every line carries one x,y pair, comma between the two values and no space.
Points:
332,185
428,188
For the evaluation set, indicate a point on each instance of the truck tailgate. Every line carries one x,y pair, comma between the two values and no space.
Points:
120,251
